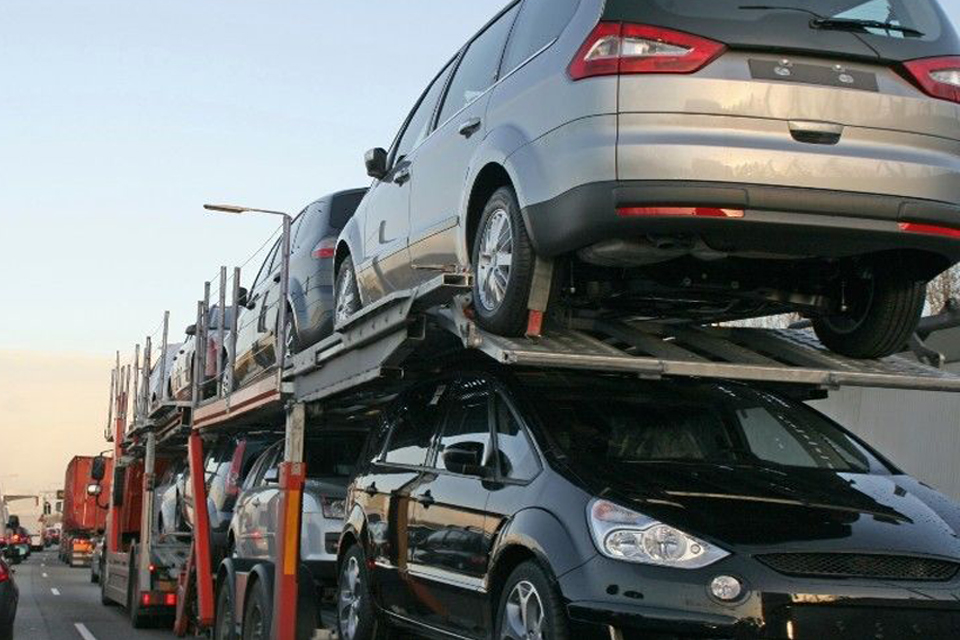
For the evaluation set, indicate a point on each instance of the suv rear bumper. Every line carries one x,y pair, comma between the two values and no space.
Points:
789,220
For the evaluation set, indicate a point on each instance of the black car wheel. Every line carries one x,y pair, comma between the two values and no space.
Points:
503,261
356,618
257,617
530,607
347,300
225,625
881,312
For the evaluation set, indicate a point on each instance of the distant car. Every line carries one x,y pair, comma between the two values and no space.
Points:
311,292
51,536
331,458
9,597
226,466
169,498
697,160
36,542
181,375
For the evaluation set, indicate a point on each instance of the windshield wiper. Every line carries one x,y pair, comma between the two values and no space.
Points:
851,24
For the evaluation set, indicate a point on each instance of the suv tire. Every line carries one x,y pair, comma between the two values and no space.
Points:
884,312
357,618
503,261
529,601
258,613
347,298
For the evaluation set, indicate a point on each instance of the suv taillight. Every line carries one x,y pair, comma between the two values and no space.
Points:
938,77
623,48
4,574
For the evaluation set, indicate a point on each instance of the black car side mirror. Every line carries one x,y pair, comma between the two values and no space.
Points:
376,161
98,469
242,297
191,330
466,458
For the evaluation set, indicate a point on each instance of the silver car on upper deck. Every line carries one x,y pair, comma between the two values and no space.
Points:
703,160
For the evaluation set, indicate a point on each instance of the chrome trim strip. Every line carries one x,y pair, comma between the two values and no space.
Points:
443,576
417,623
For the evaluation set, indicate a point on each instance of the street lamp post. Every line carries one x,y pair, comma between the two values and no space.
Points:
282,337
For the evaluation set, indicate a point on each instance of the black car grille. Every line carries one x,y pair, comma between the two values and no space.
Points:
845,565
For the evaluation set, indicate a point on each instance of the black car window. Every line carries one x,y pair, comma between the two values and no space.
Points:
333,456
418,124
540,22
516,455
413,426
467,426
478,66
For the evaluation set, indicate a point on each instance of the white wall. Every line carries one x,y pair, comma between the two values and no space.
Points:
917,431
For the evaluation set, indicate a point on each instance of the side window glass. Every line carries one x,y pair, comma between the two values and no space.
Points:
518,459
413,428
478,66
297,223
265,267
540,22
419,124
466,433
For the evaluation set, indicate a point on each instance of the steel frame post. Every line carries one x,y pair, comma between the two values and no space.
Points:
194,384
293,474
163,358
222,310
146,512
284,299
201,533
113,541
136,382
234,320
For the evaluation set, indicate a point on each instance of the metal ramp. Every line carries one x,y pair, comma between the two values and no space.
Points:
403,332
653,350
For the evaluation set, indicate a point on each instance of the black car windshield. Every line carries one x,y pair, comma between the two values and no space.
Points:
918,15
702,424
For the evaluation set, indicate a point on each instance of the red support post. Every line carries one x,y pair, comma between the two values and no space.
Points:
285,593
201,534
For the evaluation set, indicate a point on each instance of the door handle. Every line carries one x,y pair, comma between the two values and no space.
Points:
402,176
470,127
371,489
426,499
812,132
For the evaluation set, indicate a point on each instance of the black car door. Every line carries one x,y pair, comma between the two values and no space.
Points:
448,516
384,494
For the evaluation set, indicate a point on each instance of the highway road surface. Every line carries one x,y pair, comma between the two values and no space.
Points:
60,603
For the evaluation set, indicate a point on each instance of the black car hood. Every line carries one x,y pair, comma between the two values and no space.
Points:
799,509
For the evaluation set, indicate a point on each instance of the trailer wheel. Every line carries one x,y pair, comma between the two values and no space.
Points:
258,613
225,626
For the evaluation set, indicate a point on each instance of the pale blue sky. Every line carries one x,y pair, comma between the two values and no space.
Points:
120,118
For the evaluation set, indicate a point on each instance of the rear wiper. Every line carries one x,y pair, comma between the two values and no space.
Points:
851,24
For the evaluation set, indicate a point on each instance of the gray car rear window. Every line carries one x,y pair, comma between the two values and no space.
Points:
918,14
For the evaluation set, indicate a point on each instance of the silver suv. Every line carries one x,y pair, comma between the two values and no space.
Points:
703,160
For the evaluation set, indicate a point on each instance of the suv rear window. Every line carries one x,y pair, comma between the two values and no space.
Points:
786,24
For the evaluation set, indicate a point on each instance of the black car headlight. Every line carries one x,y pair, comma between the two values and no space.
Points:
622,534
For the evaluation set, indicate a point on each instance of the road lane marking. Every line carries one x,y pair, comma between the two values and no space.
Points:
45,575
55,592
84,632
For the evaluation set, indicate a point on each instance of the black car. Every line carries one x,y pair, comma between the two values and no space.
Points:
9,596
313,242
226,466
600,507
